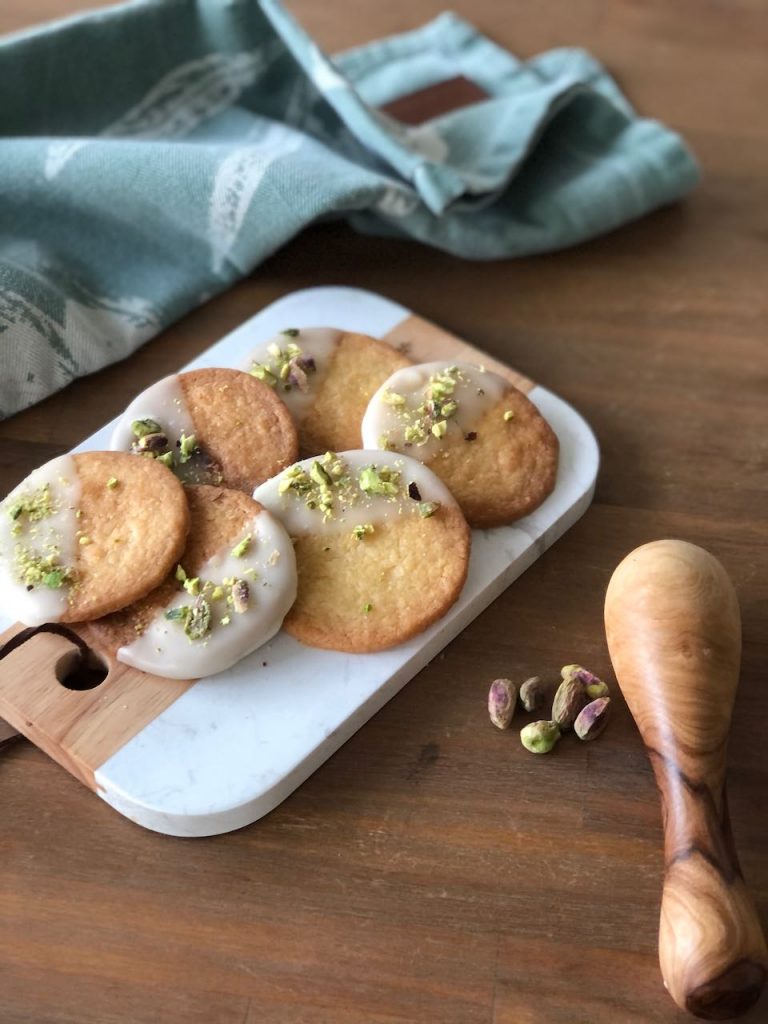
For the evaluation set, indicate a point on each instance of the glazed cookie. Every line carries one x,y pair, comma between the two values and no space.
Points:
214,426
326,377
86,534
381,546
228,595
483,437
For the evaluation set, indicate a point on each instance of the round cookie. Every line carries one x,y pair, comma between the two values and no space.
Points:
381,546
86,534
229,594
482,436
326,377
212,426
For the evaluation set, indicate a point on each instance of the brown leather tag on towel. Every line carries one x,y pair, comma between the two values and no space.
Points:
442,98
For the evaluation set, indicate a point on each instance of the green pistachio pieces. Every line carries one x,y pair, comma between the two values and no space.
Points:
241,593
140,428
35,569
198,621
242,547
187,447
320,475
382,481
34,506
361,530
540,737
428,508
263,373
55,579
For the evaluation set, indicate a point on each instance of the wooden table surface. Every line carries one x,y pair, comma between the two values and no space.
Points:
433,870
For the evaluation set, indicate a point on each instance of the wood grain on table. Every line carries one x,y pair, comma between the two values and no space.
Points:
433,870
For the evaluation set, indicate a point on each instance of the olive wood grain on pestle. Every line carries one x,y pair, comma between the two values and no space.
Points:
674,636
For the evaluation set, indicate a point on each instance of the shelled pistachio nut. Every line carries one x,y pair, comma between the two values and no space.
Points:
535,693
592,719
502,698
540,737
569,700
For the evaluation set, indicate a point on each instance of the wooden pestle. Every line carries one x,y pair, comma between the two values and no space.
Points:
674,636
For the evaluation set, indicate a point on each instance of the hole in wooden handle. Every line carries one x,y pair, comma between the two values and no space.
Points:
81,669
78,671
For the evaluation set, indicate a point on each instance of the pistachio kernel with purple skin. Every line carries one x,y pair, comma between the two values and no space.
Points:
593,686
502,698
569,700
592,719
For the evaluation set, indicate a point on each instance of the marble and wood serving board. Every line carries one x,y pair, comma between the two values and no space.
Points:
205,757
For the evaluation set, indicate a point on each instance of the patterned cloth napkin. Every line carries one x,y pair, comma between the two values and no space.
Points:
153,153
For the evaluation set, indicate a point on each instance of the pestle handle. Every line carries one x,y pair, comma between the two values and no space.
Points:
674,637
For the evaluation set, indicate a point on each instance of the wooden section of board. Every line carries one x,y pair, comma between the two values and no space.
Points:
425,342
82,729
78,728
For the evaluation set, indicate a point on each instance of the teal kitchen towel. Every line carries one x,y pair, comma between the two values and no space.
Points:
153,153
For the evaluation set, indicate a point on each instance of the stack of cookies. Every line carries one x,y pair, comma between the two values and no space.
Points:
199,535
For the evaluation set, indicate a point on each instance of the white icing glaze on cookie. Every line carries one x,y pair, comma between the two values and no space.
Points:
164,403
25,540
299,388
352,506
475,392
268,566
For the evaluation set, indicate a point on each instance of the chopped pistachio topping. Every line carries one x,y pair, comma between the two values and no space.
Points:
112,483
140,428
384,481
34,568
327,478
292,332
55,579
196,618
241,547
84,540
428,508
331,487
262,372
430,418
187,447
78,513
240,596
367,607
286,367
166,459
33,506
508,415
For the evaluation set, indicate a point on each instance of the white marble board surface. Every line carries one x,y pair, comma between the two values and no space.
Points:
233,746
